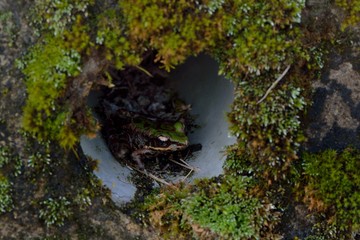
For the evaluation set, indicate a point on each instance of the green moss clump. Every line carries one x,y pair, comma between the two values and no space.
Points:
331,185
165,211
5,156
314,237
268,132
213,208
10,163
64,187
55,211
56,16
6,202
112,39
244,36
8,29
352,8
227,208
48,68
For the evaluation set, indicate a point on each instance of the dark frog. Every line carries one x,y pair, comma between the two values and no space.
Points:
143,138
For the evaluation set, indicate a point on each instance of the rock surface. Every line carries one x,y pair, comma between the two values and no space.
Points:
102,220
334,118
333,121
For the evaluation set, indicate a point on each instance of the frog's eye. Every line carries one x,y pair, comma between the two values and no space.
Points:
179,127
162,138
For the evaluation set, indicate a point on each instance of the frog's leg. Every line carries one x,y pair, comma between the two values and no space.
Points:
136,156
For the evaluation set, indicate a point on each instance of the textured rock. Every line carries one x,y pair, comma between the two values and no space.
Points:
335,115
101,221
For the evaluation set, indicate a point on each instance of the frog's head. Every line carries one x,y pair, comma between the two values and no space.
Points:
170,136
173,133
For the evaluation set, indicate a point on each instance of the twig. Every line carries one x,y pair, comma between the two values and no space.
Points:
144,70
158,179
183,165
153,177
187,175
191,167
274,84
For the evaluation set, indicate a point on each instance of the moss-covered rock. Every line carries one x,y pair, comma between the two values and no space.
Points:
225,207
331,184
76,42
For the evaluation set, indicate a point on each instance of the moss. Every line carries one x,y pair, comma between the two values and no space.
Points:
48,183
243,36
253,41
10,163
55,211
331,181
6,201
56,16
112,39
352,8
214,208
227,208
328,183
165,213
5,156
269,132
53,65
48,66
8,28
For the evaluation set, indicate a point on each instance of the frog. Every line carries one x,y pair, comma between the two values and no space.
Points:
144,138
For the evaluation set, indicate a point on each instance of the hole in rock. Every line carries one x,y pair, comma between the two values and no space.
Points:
144,122
160,127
